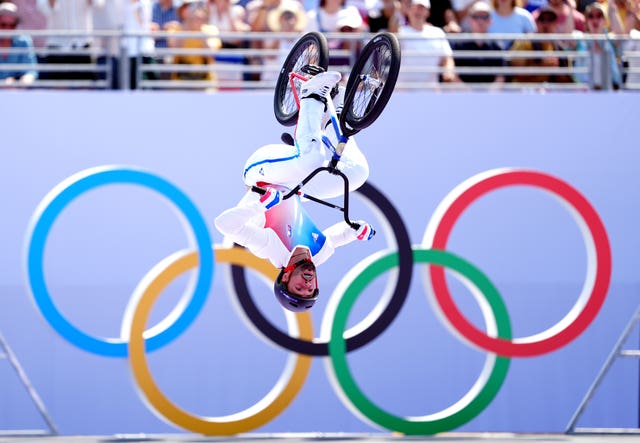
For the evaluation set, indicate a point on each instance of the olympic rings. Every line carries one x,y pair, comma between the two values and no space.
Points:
42,221
370,328
281,395
470,405
497,340
598,268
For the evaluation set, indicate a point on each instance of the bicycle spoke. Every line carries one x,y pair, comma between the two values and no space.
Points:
305,56
372,81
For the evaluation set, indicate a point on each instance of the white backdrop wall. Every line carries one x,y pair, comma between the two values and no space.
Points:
423,145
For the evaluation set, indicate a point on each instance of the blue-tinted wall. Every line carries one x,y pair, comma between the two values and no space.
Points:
424,145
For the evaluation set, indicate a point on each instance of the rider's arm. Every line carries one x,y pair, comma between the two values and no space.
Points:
340,234
239,224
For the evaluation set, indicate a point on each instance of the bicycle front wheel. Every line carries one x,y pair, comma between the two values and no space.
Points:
310,49
371,82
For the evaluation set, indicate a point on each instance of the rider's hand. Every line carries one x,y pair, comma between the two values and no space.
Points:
270,198
365,231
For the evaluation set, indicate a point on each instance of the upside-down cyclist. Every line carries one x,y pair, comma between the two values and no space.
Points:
280,229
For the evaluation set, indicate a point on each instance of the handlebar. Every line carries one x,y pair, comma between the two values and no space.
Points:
296,191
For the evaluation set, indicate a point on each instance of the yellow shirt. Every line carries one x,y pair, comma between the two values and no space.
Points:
197,59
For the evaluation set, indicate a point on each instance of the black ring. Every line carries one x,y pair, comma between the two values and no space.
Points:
405,270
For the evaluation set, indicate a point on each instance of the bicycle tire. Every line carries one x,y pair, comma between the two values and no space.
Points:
371,83
311,48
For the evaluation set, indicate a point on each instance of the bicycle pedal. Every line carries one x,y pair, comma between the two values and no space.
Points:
312,69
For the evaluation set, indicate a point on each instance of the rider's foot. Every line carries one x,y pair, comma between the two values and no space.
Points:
319,87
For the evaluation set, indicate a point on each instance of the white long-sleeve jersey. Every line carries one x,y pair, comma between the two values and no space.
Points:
274,234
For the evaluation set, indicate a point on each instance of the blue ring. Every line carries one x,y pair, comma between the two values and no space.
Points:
53,205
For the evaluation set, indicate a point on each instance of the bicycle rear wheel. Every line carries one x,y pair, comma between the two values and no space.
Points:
310,49
371,82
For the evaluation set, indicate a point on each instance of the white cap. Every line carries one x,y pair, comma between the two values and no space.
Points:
480,6
349,17
8,8
425,3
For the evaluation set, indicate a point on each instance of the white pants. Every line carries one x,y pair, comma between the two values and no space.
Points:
287,166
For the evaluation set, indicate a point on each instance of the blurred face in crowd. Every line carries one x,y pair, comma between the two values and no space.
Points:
8,22
288,21
546,23
195,16
479,22
596,21
418,13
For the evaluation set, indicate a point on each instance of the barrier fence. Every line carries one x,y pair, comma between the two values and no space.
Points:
114,61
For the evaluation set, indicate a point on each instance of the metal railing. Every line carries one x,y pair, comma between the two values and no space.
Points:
108,64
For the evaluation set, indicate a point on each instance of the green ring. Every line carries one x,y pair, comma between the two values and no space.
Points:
417,425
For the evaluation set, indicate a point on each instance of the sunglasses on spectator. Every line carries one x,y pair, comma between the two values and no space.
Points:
480,17
8,25
595,16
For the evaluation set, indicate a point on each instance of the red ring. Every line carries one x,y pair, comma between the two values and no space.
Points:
498,179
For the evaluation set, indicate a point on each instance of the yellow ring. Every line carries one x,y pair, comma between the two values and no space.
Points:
283,392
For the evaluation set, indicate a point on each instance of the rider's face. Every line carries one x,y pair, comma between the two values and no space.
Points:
302,281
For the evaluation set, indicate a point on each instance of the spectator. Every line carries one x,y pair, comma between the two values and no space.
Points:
9,20
547,22
479,22
461,11
229,16
325,18
569,18
443,16
508,17
69,15
288,17
621,7
429,46
164,16
194,16
109,18
139,48
336,16
601,51
31,18
616,15
257,11
385,16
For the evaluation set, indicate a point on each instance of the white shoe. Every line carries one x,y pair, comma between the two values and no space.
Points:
320,86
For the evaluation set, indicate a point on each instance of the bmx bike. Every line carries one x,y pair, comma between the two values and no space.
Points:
368,90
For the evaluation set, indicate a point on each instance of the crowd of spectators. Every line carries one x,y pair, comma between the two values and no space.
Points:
431,34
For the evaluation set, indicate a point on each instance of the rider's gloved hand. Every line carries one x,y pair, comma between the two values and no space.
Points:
365,231
270,198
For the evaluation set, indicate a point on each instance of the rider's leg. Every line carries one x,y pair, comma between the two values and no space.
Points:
288,165
313,104
338,104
